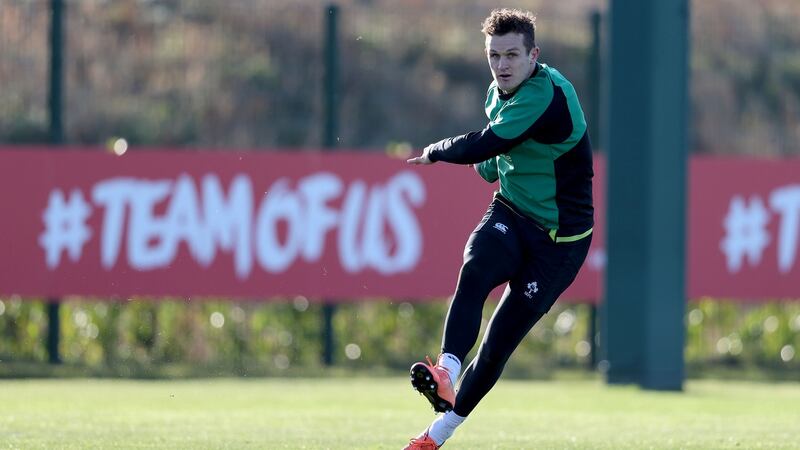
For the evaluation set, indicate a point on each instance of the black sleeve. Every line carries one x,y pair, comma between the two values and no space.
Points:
473,147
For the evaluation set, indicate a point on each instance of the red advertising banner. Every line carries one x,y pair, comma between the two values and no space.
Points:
341,226
245,224
744,228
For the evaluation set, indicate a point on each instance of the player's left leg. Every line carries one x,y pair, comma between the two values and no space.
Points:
526,300
512,320
550,270
508,326
492,256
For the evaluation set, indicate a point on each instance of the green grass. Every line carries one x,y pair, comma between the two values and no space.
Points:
383,413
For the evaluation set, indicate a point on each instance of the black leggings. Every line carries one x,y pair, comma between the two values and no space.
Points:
505,247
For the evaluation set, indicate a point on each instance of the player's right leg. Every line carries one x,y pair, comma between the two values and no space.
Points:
491,257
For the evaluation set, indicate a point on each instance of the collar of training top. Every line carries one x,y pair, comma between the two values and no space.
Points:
505,97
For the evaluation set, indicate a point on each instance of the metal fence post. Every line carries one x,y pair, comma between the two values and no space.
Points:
56,131
331,126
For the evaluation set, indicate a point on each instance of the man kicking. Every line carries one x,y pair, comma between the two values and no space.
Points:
536,232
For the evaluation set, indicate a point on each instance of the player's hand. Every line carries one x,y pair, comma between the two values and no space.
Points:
423,158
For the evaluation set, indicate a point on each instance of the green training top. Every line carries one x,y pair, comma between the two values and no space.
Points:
536,144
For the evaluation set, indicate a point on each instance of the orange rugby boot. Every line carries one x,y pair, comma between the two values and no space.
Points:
423,442
433,382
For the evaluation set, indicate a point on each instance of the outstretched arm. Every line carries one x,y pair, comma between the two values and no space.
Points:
470,148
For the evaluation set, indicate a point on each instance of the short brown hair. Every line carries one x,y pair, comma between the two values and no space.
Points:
504,21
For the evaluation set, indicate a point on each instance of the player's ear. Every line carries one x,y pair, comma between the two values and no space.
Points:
534,55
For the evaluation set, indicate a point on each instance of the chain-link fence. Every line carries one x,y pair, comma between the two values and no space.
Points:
250,73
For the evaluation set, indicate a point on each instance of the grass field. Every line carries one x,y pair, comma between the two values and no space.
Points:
383,413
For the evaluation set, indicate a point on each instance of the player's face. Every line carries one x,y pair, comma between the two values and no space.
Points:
510,63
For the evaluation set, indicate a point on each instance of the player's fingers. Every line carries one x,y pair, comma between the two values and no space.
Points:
417,160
